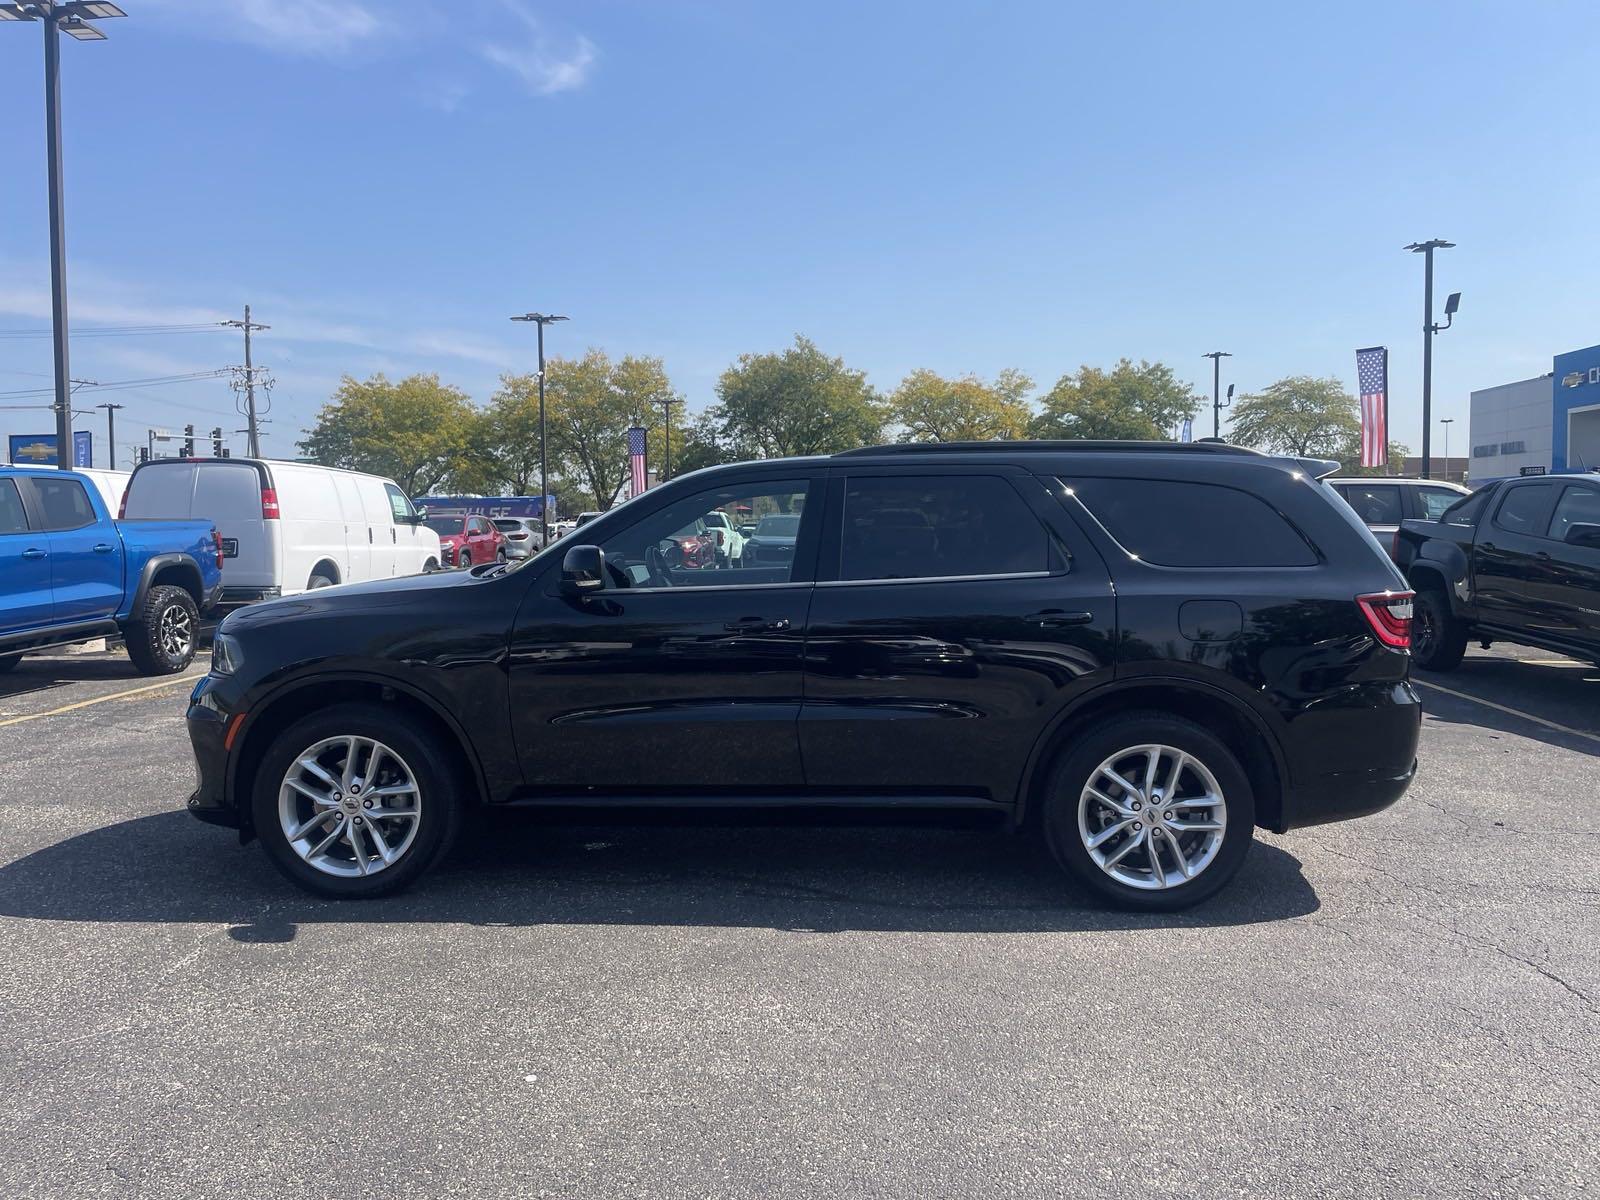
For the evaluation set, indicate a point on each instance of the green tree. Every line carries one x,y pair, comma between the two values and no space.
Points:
796,402
508,442
1141,402
418,431
930,408
1299,415
590,404
1350,456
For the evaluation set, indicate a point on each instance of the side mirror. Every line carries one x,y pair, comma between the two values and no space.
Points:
583,570
422,514
1583,534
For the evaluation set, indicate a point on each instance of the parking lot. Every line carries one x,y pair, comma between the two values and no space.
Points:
1407,1005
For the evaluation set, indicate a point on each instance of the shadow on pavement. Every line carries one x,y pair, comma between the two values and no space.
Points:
526,870
1567,694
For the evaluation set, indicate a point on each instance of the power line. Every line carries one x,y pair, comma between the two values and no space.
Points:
116,331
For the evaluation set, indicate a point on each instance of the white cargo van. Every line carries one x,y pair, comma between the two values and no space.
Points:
287,527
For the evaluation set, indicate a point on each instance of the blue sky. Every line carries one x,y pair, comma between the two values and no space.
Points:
958,187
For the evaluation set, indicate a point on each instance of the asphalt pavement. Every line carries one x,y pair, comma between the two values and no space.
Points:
1403,1006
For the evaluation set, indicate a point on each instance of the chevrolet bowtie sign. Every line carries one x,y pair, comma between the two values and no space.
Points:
39,449
1579,378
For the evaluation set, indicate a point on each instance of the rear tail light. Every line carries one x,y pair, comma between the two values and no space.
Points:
269,504
1389,614
216,540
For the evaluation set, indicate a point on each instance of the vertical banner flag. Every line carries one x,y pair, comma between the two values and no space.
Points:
1372,370
636,468
1187,435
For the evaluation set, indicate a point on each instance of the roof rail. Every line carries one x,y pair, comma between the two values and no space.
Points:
1055,446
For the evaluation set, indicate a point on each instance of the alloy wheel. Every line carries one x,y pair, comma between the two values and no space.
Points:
349,806
1152,817
175,632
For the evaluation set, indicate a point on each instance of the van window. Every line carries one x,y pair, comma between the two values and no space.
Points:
162,492
399,506
63,504
1181,524
227,493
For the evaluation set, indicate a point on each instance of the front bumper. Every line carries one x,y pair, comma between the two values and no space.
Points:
208,731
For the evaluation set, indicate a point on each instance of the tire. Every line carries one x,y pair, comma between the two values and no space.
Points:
1070,815
500,555
1438,638
412,753
429,567
318,580
163,635
8,662
464,560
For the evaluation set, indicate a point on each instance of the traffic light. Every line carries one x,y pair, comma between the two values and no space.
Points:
216,442
144,454
188,441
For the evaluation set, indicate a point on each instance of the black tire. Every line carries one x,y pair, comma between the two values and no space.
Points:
1438,638
1073,771
500,555
163,635
318,580
429,567
8,662
422,751
464,560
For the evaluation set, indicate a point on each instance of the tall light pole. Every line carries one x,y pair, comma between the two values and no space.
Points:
1447,422
58,17
111,433
1426,249
1216,357
542,319
666,415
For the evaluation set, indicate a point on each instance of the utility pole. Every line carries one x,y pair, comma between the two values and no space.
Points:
1216,357
111,433
666,412
1426,249
252,427
542,319
58,17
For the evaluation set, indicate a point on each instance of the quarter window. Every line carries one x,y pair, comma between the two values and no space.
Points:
63,504
12,518
1182,524
1465,511
939,526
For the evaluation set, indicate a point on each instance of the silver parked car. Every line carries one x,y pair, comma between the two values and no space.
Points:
523,536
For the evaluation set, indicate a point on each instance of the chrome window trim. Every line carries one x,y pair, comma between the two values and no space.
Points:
942,579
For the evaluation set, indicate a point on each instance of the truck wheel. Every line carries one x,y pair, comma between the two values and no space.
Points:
1438,638
1150,812
319,580
355,801
8,662
163,634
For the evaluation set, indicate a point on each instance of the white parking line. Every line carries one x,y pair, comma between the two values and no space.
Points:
1514,712
138,691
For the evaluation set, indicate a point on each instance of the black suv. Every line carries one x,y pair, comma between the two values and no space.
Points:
1137,651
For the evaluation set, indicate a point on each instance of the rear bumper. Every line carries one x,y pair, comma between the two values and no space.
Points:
235,597
1357,757
212,598
1345,796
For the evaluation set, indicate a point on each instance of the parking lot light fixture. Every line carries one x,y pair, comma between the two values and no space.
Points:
1429,329
542,319
58,17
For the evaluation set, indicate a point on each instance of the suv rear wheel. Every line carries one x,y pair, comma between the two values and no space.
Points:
355,801
1149,811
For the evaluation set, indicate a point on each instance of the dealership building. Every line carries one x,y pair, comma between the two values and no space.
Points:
1550,423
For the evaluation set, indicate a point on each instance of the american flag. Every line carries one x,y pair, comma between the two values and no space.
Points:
636,459
1372,369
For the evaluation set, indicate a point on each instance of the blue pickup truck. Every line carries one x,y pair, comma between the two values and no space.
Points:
69,573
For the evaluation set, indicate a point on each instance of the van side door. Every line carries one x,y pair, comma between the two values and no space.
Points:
366,558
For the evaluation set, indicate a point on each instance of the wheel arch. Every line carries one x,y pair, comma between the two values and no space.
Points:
174,570
1241,729
284,705
327,567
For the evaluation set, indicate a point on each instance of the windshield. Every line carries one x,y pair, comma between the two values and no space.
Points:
446,525
785,526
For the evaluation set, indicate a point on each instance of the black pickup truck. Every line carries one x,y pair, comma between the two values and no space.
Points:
1517,561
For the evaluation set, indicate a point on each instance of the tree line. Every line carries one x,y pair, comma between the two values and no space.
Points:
431,438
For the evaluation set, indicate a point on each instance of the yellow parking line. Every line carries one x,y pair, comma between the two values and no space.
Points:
1513,712
138,691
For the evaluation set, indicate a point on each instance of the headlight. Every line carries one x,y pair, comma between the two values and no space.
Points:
226,655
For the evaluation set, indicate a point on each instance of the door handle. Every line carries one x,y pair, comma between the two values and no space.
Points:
1055,618
757,625
103,548
34,552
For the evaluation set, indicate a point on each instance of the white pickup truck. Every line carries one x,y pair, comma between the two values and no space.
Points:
730,542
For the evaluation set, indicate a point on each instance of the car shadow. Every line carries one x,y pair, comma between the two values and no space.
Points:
1534,692
530,869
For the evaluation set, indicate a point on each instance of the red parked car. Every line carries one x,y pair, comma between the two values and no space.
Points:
464,541
692,546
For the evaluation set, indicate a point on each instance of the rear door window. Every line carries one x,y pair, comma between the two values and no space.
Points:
227,493
1434,501
1375,503
164,492
1579,505
1176,523
939,527
1524,509
63,504
12,518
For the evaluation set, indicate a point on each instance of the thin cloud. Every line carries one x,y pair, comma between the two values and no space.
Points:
312,28
543,67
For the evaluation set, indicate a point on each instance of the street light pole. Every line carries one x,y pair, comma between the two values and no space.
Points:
57,18
111,433
1216,357
542,319
666,417
1447,422
1426,249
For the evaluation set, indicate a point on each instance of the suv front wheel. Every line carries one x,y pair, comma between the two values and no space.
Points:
1151,812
